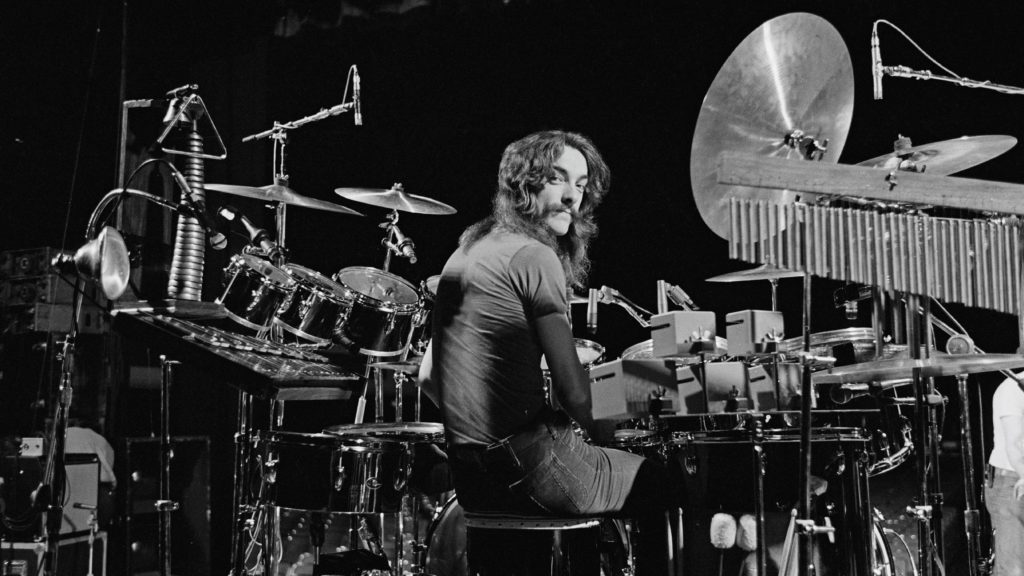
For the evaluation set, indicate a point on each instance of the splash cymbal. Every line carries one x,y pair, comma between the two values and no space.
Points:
785,91
395,198
944,157
762,272
283,194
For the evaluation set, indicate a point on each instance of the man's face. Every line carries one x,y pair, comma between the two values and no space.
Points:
562,194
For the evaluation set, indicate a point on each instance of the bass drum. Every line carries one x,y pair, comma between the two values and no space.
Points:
735,473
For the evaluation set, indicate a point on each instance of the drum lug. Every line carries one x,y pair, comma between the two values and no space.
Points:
339,480
270,470
392,320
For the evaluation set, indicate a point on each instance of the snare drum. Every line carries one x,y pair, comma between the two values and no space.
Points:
254,289
313,309
588,351
733,472
382,311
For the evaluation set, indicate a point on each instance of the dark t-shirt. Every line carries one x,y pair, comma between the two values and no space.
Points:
486,351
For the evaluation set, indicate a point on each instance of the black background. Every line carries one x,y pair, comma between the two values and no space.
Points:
445,88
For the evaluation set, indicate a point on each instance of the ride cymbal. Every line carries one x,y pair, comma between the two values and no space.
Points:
944,157
936,366
786,91
283,194
396,198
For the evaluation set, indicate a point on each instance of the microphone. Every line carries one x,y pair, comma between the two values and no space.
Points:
593,296
681,298
257,236
876,64
403,245
198,211
358,98
181,90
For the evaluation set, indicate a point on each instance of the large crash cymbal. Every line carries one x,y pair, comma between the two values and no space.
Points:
395,198
936,366
944,157
762,272
789,81
279,193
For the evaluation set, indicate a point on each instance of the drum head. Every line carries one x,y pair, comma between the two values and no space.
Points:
430,286
270,273
645,350
378,285
390,431
304,275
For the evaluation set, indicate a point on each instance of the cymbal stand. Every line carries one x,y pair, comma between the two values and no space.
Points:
164,505
927,511
804,523
241,504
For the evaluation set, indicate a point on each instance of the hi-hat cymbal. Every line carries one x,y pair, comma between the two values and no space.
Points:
936,366
945,157
762,272
283,194
410,366
789,80
395,198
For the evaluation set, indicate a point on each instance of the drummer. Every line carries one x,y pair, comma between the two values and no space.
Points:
501,304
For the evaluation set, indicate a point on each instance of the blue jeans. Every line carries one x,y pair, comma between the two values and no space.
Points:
547,469
1008,522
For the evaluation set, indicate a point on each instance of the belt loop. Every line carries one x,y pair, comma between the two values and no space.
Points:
990,475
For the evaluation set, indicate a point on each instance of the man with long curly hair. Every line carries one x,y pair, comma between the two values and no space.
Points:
502,303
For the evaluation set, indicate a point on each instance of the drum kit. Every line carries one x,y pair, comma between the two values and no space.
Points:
803,475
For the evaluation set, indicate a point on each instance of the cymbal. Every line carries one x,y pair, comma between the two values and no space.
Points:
793,73
283,194
395,198
936,366
762,272
945,157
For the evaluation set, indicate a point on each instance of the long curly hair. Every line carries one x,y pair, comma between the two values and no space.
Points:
526,165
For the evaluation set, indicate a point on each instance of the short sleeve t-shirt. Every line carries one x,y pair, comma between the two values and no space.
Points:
486,350
1008,400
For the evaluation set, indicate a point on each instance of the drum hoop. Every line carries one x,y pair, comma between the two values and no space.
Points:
388,432
382,305
310,439
819,434
260,266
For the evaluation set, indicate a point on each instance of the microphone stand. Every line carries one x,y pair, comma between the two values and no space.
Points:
49,496
907,72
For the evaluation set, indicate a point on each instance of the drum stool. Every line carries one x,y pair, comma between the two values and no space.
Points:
524,528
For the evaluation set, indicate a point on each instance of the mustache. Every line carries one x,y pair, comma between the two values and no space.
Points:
557,207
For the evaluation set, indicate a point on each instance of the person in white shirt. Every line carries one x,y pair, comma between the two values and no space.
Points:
1004,488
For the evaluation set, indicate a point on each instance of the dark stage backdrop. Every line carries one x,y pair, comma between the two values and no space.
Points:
445,87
